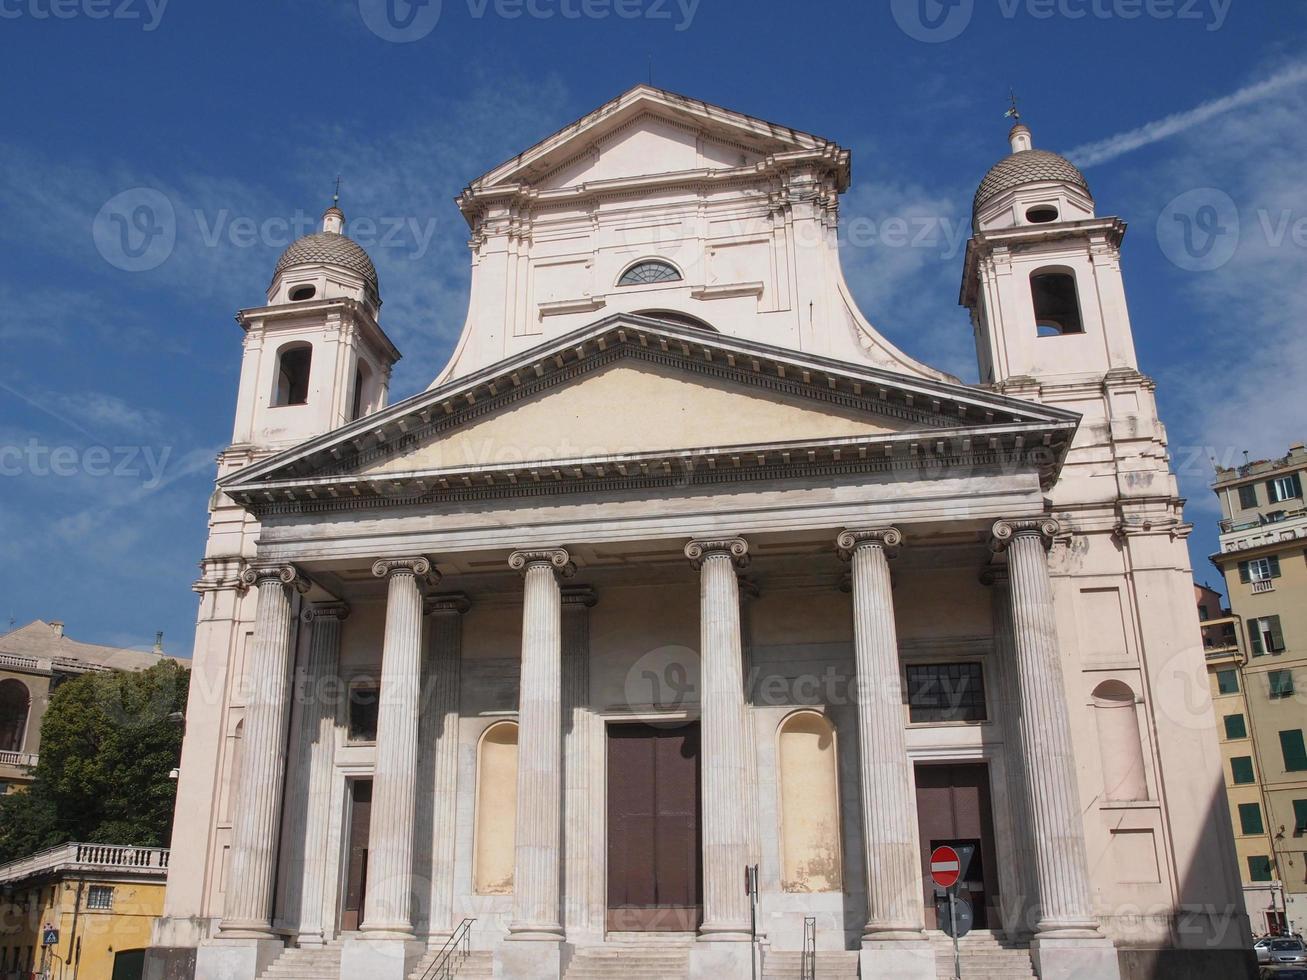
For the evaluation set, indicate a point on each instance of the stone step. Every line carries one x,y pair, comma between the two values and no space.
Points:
831,964
664,959
475,964
306,963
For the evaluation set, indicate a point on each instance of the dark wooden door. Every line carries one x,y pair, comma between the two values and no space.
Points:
953,808
654,873
356,870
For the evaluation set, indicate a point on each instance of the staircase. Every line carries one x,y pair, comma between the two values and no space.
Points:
634,956
985,956
832,964
475,964
306,963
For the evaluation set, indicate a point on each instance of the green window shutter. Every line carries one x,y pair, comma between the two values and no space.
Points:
1227,682
1250,818
1259,868
1244,575
1274,562
1295,752
1277,634
1272,492
1281,683
1248,496
1299,816
1296,483
1235,727
1241,769
1255,637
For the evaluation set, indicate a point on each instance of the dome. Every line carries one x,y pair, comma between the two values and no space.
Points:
330,248
1026,166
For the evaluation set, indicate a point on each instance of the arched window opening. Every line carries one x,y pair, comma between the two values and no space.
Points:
1057,305
652,271
293,364
15,702
496,810
301,293
1122,752
810,804
682,319
362,402
1041,214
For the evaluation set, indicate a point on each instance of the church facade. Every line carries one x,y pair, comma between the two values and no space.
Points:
682,616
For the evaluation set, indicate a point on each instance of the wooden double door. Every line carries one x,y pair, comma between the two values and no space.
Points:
953,808
655,877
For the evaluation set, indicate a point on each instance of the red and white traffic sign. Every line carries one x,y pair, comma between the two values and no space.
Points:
945,867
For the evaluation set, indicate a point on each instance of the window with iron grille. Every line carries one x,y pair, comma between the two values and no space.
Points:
99,897
644,273
946,692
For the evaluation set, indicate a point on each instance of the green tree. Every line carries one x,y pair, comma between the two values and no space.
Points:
108,745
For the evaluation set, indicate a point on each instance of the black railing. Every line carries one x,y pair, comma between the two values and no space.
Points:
809,965
450,959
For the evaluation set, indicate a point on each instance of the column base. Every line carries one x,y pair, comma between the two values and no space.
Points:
522,958
1075,958
715,957
897,959
235,959
380,959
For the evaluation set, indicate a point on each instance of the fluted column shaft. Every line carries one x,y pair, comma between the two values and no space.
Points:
536,874
259,793
439,741
723,763
387,908
318,737
889,807
1061,866
580,812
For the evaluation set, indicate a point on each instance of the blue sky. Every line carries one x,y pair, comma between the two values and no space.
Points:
117,385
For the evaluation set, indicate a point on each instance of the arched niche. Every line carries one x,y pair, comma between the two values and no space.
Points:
810,804
496,810
1116,717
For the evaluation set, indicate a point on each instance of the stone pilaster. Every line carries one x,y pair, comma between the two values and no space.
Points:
438,737
582,809
257,810
889,811
724,739
317,736
1068,942
387,912
537,866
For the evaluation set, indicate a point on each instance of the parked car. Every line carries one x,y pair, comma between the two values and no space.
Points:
1263,949
1284,950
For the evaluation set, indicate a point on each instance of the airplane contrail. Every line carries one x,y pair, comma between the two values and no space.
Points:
1101,151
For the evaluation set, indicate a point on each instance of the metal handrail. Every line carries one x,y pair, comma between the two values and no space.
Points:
809,965
459,945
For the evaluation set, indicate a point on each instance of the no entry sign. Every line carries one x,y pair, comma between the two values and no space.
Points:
945,867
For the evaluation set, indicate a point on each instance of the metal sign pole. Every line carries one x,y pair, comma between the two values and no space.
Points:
953,922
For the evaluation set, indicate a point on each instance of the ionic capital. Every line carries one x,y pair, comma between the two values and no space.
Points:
447,604
579,596
555,558
701,549
887,539
259,572
418,566
1005,532
326,610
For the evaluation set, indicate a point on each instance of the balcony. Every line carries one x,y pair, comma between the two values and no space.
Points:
146,862
1263,585
19,759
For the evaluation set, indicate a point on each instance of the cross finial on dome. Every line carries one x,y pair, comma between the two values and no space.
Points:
1019,136
335,198
334,219
1013,112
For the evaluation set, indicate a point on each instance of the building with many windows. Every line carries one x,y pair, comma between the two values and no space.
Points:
679,568
1263,558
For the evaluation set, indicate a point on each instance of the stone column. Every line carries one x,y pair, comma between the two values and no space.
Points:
387,912
895,924
724,739
582,810
537,867
439,753
248,908
318,737
1068,942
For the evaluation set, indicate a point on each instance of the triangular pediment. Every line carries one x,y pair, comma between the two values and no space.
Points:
632,397
645,132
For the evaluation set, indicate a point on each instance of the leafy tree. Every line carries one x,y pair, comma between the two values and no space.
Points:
108,745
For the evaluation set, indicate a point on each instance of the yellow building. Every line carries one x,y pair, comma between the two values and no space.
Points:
1262,557
96,902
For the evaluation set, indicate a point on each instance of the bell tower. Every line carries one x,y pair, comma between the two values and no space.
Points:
315,356
1042,275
